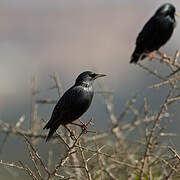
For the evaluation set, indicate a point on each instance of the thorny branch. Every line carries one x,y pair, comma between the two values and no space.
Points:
106,155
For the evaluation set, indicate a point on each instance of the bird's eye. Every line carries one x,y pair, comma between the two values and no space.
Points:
92,75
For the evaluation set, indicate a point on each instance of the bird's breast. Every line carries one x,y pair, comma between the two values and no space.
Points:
87,95
83,101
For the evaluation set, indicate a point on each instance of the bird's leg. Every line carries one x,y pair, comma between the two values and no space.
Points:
83,126
163,55
69,130
150,55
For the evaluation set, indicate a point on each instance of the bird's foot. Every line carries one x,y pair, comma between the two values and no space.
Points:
163,55
82,125
150,55
84,128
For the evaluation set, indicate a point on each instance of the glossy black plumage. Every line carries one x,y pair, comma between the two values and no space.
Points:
156,32
73,103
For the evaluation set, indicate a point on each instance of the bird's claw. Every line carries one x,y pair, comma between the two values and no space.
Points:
166,57
163,55
84,128
150,55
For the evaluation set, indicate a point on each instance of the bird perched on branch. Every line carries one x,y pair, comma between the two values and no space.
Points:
73,103
155,33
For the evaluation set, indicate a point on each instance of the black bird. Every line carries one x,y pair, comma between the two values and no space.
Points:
156,32
73,103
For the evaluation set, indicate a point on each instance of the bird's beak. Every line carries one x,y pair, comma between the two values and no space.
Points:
176,14
99,75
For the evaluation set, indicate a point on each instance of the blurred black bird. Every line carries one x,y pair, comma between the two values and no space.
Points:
156,32
73,103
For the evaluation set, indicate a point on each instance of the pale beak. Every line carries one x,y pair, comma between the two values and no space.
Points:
176,14
99,75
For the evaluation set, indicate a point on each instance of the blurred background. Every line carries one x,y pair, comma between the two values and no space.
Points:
40,37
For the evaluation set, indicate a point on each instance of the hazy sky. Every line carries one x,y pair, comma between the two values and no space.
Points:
40,37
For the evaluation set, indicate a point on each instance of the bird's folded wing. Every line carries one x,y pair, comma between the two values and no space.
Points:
149,32
66,104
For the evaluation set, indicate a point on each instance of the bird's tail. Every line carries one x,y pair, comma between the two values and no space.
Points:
134,58
46,126
53,127
51,132
137,54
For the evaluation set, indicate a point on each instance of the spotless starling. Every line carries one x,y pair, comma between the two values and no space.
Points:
73,103
156,32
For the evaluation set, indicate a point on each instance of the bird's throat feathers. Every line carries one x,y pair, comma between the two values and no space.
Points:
87,85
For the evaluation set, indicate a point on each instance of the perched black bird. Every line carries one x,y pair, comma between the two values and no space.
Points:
156,32
73,103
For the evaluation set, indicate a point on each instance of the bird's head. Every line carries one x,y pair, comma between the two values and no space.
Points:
87,77
166,9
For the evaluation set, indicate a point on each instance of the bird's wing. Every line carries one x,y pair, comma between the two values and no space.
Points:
149,33
65,105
